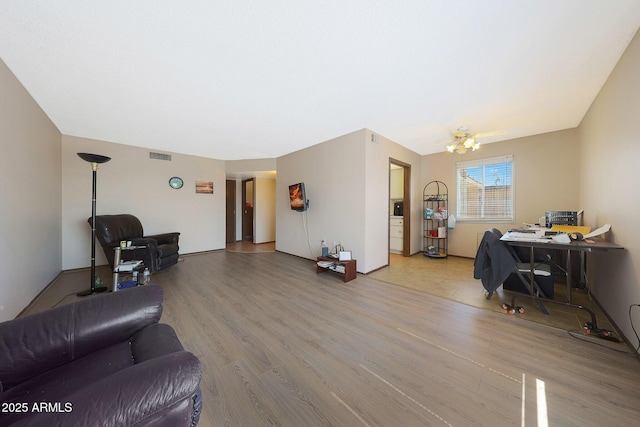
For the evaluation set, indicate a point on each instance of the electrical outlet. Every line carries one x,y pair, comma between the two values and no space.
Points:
1,307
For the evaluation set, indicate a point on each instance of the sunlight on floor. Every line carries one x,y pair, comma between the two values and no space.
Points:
541,396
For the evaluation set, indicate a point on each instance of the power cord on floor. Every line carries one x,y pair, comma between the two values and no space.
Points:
305,227
63,298
633,327
580,336
33,303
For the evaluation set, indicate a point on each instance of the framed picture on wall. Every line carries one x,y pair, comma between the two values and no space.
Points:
204,187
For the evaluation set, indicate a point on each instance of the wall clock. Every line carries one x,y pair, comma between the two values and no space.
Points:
176,182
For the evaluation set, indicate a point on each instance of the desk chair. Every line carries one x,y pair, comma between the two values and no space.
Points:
496,261
542,267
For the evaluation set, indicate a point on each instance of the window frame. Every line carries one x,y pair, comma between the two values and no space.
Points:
460,203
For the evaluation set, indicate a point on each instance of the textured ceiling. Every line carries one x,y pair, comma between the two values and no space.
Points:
258,79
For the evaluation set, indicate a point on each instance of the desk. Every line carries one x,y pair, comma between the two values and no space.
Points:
583,246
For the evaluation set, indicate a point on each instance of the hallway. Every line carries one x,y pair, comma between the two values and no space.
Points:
248,247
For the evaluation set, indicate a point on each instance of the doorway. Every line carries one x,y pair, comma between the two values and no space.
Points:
399,208
247,209
230,213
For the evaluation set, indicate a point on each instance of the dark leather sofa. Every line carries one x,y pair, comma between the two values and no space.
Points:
159,251
102,361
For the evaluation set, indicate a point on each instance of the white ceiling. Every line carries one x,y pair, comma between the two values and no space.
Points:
242,79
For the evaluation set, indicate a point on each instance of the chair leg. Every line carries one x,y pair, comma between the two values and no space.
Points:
538,292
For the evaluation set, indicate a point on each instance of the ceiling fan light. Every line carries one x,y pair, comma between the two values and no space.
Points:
465,140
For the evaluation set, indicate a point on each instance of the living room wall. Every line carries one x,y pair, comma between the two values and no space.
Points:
379,151
133,183
347,182
545,179
609,176
30,211
334,177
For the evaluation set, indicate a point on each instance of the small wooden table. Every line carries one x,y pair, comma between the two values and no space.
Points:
349,267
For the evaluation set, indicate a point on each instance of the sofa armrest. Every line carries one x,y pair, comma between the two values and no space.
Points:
154,341
156,392
40,342
165,238
146,250
150,243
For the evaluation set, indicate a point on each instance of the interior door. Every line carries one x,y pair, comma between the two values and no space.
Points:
231,211
247,209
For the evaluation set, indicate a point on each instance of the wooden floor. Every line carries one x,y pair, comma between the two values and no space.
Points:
283,346
248,247
452,278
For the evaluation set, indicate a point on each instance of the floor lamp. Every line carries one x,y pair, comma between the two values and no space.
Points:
94,159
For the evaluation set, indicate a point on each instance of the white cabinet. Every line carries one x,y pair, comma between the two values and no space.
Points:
396,229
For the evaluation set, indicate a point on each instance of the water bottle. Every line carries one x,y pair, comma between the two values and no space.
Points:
145,277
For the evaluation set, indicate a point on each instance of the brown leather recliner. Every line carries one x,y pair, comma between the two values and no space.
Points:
157,252
101,361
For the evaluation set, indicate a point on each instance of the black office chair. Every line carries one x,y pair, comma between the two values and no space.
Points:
542,260
497,261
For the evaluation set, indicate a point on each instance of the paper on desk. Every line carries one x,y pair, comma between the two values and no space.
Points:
523,237
598,231
533,234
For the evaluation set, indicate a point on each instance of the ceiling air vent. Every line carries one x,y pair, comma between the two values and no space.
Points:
159,156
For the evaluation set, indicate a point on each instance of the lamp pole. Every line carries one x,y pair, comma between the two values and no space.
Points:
94,159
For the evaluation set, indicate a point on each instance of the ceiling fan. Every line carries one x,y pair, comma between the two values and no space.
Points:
465,139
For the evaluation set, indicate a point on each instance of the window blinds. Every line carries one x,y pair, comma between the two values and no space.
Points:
485,189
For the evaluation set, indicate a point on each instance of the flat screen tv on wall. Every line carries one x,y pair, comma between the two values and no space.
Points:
298,197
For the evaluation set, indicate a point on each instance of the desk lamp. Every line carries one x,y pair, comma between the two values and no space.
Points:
94,159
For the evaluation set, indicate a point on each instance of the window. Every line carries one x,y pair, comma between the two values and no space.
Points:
485,190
